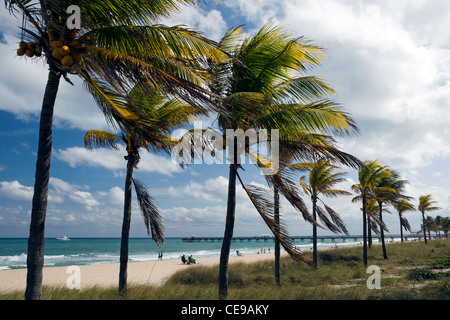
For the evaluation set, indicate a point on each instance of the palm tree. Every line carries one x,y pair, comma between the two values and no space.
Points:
315,144
431,226
166,115
401,206
438,220
118,43
321,180
445,226
369,176
389,190
426,204
261,89
373,219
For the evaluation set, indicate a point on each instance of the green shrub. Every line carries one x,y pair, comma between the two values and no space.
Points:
422,275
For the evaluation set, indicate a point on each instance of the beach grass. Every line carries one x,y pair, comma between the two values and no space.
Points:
413,271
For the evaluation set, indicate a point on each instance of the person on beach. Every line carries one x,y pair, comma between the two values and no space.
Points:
238,253
191,259
183,259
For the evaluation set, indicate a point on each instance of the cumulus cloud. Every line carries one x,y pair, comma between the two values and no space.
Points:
113,160
388,62
114,196
209,22
59,191
13,190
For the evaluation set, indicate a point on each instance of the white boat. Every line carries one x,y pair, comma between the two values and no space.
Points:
64,238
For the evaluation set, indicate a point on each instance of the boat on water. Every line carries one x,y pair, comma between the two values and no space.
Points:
65,238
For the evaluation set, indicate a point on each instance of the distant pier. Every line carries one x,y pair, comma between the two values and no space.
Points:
329,238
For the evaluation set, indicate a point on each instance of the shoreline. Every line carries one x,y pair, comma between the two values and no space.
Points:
107,275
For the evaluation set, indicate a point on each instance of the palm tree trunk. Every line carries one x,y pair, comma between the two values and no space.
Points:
314,203
383,244
35,256
369,231
401,227
424,227
276,217
364,200
126,225
229,227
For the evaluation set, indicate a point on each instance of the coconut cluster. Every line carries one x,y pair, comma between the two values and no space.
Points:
30,49
66,53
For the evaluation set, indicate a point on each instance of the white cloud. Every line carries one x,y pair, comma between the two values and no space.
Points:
389,65
211,23
114,196
13,190
114,160
59,191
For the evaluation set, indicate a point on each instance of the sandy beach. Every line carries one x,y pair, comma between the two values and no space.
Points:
105,275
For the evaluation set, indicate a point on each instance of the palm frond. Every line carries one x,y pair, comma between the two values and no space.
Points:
262,200
336,219
328,224
405,223
102,139
119,12
291,192
126,72
157,40
302,89
150,213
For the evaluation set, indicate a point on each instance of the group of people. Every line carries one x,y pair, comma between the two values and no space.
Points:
263,250
189,260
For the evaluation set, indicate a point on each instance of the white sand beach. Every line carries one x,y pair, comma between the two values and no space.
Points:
105,275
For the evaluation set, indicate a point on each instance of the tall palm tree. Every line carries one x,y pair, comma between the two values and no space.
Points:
401,206
321,181
426,204
373,219
261,89
165,115
431,226
445,226
389,190
117,42
369,176
438,222
319,145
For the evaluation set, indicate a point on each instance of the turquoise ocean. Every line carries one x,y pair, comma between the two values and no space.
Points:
88,251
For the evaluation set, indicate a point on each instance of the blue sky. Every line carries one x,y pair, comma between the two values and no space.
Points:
389,62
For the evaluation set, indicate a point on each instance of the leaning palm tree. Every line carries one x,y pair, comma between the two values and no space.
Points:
321,181
261,89
389,190
117,42
165,115
324,147
445,226
369,176
426,204
401,206
438,222
431,226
